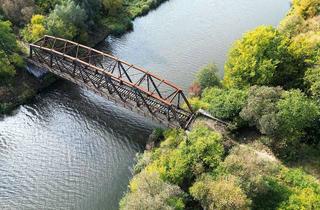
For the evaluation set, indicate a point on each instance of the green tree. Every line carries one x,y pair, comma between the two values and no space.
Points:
45,6
148,191
296,113
223,193
111,7
306,8
35,29
312,79
18,12
196,153
261,108
207,76
67,20
255,59
9,58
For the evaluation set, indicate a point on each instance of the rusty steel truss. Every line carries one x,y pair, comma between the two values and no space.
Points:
131,86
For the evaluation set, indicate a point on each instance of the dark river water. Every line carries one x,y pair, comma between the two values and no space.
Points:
71,149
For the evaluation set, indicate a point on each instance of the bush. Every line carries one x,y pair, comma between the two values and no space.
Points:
207,76
148,191
224,103
223,193
260,109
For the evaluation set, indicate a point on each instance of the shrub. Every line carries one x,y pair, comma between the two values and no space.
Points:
223,193
207,76
224,103
148,191
256,58
260,109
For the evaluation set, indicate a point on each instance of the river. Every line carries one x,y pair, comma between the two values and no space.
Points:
71,149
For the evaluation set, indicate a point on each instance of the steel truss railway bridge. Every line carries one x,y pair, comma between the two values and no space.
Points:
114,79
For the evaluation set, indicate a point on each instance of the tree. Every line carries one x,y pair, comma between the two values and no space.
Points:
306,8
111,7
207,76
257,58
296,113
93,9
67,20
200,151
35,29
260,108
223,193
9,59
312,79
148,191
45,6
18,12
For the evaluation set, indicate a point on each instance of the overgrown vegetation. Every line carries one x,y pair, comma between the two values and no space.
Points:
193,171
271,82
271,86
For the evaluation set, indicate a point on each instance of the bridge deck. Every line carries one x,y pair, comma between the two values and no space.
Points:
113,78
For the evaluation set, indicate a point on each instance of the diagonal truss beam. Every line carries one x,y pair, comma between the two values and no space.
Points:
106,74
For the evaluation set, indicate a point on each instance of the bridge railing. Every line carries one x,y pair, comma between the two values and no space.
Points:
77,62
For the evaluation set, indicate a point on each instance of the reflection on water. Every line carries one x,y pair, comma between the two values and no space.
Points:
68,149
71,149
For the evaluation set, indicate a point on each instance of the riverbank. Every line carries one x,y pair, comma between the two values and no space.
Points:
122,23
24,86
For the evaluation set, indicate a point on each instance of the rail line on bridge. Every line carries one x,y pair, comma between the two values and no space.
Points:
117,80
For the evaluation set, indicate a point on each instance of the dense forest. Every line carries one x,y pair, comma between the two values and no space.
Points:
269,156
84,21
